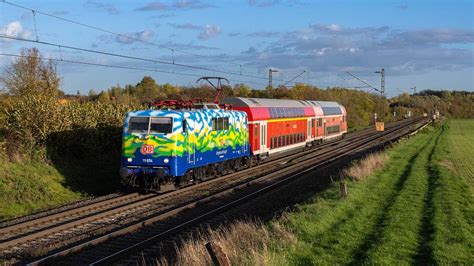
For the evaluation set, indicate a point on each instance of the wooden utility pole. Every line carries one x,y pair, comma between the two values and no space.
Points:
343,189
219,258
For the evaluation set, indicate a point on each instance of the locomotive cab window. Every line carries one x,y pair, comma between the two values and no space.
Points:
226,123
161,125
221,123
138,124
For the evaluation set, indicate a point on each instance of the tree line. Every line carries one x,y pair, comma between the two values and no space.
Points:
35,114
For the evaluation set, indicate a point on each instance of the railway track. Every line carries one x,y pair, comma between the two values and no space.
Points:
81,227
161,229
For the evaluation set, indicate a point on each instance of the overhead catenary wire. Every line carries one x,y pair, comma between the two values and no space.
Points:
363,81
121,67
304,71
172,49
128,56
115,33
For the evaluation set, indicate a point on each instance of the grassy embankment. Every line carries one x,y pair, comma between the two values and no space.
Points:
417,208
29,186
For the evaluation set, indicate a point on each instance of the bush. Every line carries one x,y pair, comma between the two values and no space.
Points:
37,121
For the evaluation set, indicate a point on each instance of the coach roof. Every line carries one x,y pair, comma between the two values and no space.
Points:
260,102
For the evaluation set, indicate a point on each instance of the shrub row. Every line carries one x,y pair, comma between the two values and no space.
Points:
33,123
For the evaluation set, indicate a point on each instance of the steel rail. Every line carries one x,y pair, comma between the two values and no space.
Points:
149,200
193,204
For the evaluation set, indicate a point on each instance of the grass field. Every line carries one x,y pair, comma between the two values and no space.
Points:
417,209
412,204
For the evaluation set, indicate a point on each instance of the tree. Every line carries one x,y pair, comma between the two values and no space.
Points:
104,97
92,93
242,90
30,75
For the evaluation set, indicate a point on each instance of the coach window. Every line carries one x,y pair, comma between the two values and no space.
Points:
320,122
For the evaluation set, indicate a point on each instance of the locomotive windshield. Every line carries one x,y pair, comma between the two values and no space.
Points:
157,125
139,124
160,125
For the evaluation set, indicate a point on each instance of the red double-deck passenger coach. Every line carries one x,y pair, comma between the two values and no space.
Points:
278,125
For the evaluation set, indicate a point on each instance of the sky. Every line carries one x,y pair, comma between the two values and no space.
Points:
427,43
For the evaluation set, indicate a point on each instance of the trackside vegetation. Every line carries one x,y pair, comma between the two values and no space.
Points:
74,141
415,209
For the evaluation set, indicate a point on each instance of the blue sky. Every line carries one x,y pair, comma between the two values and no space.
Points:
427,44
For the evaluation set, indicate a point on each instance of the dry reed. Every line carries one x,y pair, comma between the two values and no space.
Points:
366,166
244,242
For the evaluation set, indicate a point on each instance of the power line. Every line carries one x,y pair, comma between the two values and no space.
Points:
35,11
304,71
114,33
363,81
127,56
121,67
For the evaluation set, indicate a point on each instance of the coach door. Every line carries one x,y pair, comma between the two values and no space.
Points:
309,129
263,136
256,137
313,128
324,127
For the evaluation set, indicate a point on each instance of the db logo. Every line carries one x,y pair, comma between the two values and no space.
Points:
147,149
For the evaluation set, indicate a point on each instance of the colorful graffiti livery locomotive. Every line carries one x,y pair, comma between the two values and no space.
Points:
188,145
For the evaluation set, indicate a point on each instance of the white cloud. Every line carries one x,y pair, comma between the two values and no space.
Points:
321,52
134,36
338,48
334,27
15,29
209,31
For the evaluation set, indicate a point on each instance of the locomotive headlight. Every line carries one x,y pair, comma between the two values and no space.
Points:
166,160
129,160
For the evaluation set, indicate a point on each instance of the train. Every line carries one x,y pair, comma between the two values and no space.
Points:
202,140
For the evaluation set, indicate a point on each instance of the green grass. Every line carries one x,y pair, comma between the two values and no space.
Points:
417,209
30,186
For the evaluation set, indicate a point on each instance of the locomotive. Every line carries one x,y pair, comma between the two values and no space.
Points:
201,140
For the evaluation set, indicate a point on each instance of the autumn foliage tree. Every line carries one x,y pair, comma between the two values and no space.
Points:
32,112
30,75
